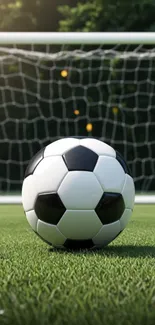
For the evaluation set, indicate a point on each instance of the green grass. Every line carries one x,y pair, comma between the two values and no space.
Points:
42,286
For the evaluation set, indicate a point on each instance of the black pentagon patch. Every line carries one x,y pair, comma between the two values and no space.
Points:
34,162
78,244
49,208
110,208
123,163
80,158
80,137
77,137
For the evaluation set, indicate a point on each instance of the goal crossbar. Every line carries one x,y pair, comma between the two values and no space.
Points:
77,38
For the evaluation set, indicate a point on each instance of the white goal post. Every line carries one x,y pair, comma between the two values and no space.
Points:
98,38
54,85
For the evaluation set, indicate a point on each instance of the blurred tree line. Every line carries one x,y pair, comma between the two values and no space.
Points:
74,15
109,15
31,15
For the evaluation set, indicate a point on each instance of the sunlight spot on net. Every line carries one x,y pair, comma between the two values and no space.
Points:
115,110
76,112
89,127
64,73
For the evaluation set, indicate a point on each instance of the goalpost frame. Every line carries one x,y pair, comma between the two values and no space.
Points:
97,38
94,38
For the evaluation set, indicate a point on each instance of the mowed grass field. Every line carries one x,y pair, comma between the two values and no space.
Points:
40,285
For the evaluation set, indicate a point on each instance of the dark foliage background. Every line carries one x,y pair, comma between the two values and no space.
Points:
74,15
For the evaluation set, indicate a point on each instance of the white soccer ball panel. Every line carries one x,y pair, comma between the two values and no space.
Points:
29,193
110,174
46,178
50,233
50,173
128,192
32,219
107,233
80,224
59,147
125,218
99,147
80,191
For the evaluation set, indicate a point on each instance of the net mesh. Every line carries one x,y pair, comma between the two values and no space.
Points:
51,92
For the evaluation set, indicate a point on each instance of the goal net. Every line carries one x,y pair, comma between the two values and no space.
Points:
49,91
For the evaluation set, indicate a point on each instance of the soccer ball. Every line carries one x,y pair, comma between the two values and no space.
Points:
78,193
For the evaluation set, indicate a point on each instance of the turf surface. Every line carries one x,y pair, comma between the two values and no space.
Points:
42,286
